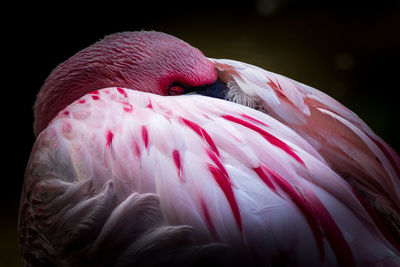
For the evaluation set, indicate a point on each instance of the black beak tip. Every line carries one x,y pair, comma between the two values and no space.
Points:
218,89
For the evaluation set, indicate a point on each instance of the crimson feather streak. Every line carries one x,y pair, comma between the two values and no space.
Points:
213,176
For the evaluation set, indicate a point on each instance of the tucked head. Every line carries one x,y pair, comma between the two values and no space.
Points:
146,61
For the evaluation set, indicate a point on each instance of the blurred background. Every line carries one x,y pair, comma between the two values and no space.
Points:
348,49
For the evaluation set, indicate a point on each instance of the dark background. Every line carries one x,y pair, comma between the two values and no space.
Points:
350,50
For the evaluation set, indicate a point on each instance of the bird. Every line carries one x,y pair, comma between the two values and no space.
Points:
148,153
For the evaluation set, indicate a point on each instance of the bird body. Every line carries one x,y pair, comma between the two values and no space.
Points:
349,146
131,176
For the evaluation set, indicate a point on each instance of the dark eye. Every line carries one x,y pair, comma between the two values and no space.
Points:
175,90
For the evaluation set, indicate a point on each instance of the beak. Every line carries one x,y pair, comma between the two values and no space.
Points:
218,89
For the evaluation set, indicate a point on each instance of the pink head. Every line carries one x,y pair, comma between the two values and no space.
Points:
145,61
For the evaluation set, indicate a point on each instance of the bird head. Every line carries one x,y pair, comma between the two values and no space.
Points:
148,61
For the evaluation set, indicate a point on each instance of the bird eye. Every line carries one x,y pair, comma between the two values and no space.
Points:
175,90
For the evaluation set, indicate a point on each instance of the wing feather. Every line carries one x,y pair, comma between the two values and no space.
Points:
185,177
349,146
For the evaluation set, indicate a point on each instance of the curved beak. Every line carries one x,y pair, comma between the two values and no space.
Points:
218,89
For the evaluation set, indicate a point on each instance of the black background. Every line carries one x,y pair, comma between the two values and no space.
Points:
351,50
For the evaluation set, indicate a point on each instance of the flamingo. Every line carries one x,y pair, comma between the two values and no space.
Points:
148,153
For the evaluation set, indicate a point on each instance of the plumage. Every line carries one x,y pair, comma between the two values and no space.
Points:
123,176
349,146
